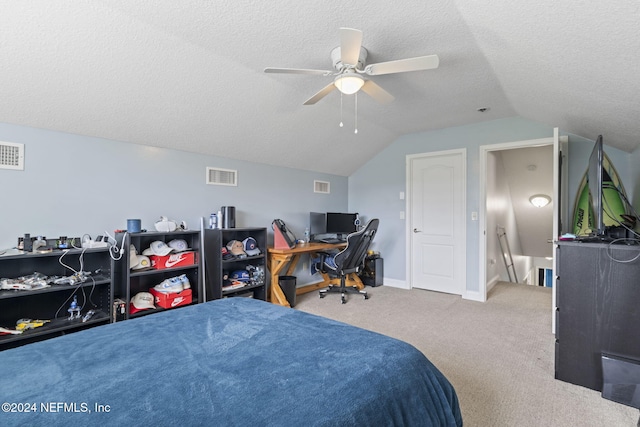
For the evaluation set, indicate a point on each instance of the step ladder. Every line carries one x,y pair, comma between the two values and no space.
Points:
506,254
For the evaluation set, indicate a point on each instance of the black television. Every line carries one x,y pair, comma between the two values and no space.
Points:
595,182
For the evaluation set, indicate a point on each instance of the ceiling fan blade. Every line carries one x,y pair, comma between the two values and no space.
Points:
350,44
296,71
376,92
403,65
321,94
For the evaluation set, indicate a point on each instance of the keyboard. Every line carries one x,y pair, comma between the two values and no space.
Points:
331,240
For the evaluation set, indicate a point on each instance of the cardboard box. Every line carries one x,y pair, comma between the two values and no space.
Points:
173,299
181,259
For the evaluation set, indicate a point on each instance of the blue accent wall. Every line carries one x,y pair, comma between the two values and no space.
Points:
73,184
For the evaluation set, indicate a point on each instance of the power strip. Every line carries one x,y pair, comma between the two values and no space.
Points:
100,242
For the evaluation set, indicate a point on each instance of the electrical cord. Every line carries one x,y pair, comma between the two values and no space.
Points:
613,244
79,273
114,252
607,209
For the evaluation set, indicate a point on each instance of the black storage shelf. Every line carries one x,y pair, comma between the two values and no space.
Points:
214,240
51,303
129,282
53,288
158,310
153,272
56,328
242,290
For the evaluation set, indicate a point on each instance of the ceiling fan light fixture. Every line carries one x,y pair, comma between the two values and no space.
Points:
540,200
349,83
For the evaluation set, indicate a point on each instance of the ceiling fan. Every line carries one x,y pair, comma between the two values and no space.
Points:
349,63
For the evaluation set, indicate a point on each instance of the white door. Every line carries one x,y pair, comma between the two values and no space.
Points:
437,221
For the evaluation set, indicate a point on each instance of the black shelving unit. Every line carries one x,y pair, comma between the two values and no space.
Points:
52,303
215,266
128,282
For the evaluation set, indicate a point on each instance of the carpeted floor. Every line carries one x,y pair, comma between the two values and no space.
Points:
499,355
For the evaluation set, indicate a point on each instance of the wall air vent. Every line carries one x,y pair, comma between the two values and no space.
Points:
218,176
321,187
11,155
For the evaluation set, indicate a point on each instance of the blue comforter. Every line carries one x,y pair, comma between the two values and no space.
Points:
230,362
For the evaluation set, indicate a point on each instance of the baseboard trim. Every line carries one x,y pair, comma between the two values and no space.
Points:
395,283
494,281
473,296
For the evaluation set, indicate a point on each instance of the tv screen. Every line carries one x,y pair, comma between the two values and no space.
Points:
341,223
595,179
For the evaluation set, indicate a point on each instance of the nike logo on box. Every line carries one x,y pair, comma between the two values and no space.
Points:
174,259
177,301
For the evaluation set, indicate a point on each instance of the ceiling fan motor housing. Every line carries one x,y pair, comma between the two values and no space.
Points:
336,59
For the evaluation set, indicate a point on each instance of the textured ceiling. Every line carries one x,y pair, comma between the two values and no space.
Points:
189,74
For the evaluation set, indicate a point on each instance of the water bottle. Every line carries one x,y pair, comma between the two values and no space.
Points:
213,221
307,235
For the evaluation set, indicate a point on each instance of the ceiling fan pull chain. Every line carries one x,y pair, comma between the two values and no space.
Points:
356,122
341,124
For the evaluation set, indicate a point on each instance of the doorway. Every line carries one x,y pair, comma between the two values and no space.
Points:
558,197
436,195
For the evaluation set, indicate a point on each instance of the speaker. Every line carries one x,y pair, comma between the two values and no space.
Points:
621,379
373,271
228,217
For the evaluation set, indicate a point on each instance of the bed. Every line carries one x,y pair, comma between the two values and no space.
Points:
229,362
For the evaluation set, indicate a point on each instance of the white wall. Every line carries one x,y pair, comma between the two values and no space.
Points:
499,211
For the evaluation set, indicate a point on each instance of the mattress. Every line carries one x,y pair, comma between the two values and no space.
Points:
235,362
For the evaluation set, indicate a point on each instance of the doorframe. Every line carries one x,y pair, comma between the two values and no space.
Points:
409,187
482,217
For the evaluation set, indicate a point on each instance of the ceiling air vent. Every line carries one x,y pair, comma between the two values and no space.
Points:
218,176
321,187
11,155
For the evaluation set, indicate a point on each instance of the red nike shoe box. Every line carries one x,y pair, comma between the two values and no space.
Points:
173,299
181,259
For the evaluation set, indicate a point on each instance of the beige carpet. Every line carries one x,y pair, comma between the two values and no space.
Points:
499,355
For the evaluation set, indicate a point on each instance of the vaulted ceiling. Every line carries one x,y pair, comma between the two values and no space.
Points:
189,74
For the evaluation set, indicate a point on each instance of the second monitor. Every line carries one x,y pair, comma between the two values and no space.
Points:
332,225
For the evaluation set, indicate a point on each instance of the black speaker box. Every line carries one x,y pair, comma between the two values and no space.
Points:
621,379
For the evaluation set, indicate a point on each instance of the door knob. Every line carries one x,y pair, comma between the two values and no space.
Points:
415,230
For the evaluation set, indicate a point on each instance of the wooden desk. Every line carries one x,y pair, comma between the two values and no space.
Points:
278,259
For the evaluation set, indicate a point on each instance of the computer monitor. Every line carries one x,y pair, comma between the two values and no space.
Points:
317,224
341,223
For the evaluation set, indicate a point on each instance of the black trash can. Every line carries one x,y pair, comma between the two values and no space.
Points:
288,286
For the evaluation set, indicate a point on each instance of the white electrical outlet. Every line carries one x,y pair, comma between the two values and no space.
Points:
401,214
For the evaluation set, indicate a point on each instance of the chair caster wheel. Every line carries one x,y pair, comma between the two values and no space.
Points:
366,296
344,300
322,295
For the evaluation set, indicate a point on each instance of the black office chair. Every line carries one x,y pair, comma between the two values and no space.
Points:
349,260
